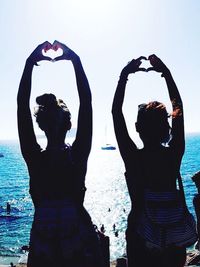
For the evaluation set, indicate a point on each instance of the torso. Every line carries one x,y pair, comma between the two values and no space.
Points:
55,175
153,170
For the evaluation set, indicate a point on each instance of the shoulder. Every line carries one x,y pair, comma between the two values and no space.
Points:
32,154
71,155
133,161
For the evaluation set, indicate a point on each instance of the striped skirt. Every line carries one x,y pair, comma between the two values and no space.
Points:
166,221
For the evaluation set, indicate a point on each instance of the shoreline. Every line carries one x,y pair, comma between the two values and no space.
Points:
193,260
6,260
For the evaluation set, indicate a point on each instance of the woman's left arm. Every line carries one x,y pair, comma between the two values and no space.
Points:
177,142
82,144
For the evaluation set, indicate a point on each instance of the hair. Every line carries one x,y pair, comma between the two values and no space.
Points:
152,122
50,110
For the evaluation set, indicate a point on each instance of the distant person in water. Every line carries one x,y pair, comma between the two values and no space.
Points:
8,208
62,232
152,170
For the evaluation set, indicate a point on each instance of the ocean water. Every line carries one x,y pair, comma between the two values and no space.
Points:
107,198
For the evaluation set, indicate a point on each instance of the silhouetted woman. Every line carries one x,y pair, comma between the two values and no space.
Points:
62,233
152,170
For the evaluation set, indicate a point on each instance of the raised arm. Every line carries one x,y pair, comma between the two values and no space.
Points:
27,137
82,143
125,143
178,138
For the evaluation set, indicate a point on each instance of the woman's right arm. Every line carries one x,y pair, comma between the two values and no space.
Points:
125,143
27,137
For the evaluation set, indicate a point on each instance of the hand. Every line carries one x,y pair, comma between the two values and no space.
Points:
157,65
68,54
133,65
37,55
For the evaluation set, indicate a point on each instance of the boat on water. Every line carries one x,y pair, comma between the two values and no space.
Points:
108,147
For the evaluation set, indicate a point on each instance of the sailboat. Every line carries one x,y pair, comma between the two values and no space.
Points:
107,146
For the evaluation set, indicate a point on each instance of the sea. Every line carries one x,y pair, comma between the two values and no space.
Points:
106,200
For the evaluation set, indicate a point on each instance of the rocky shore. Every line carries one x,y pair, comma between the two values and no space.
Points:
193,260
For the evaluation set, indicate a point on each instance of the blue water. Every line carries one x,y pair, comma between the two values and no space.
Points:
106,199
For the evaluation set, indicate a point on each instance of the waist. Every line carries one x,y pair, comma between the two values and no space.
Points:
76,197
48,209
55,203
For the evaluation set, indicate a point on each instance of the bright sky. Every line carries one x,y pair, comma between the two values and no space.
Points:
106,34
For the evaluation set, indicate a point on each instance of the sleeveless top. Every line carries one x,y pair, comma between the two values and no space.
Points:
54,176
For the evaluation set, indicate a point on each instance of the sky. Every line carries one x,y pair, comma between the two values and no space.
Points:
106,34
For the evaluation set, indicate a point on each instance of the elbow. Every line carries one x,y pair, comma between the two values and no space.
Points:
115,110
22,102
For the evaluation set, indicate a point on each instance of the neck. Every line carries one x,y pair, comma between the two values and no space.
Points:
55,144
55,141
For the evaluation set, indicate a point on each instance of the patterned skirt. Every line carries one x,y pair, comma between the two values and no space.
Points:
62,234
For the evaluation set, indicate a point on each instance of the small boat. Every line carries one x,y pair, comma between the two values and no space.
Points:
108,147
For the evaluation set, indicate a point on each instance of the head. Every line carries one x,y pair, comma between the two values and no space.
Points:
52,115
152,123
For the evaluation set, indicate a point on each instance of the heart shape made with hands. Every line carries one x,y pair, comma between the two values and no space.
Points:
150,63
145,64
52,50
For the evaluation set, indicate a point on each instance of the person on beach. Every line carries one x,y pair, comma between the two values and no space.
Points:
154,168
62,232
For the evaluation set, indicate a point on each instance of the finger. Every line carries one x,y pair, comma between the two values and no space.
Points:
47,58
141,58
56,42
59,58
47,43
142,69
44,44
56,45
150,69
47,47
152,57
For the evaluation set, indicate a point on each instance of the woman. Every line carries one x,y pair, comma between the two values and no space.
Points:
62,233
155,167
